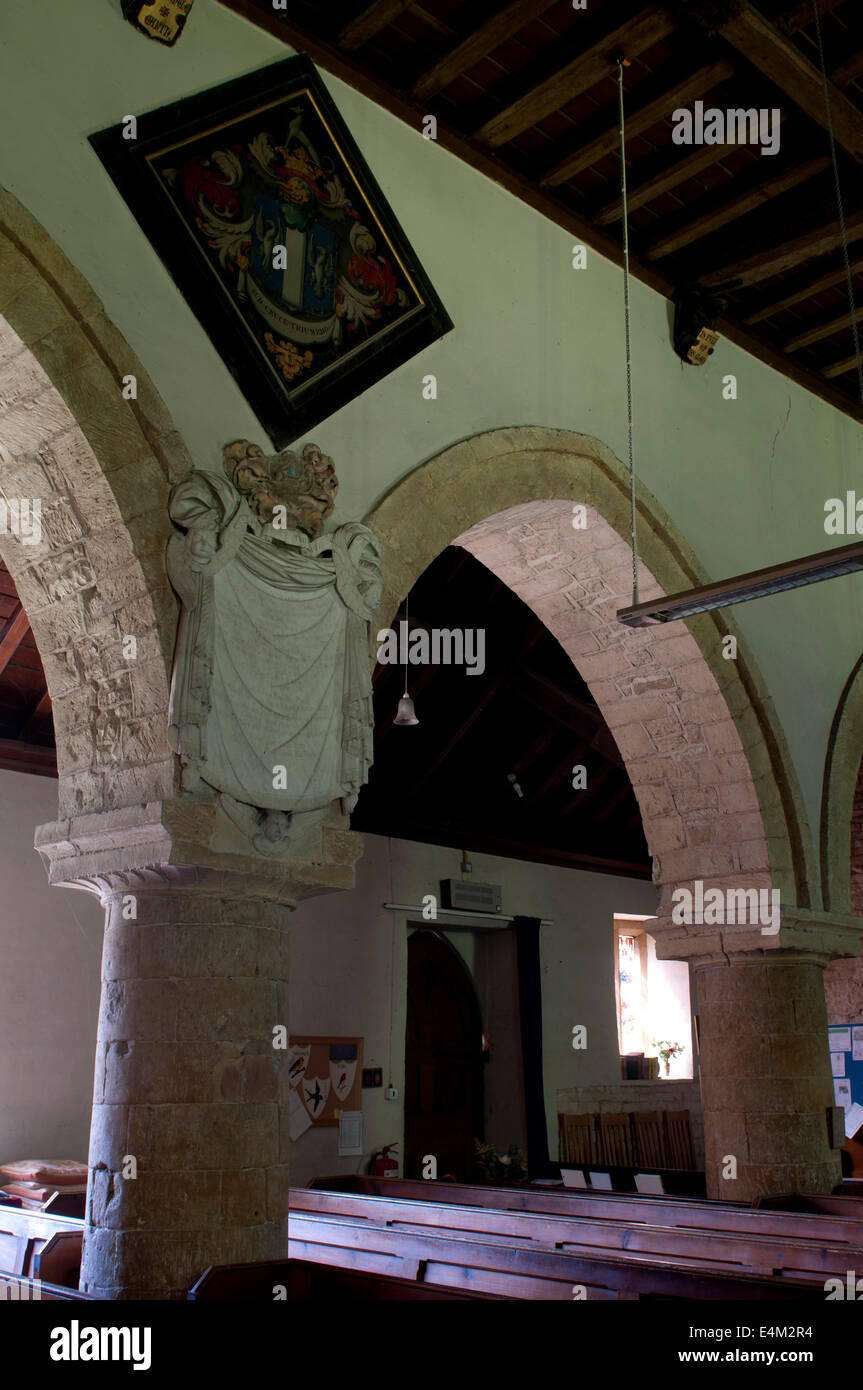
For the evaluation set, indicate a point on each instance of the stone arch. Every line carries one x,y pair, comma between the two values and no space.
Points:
842,799
704,751
101,467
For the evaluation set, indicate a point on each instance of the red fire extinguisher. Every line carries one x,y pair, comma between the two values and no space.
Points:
384,1163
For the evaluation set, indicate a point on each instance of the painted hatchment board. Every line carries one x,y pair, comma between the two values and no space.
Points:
326,1077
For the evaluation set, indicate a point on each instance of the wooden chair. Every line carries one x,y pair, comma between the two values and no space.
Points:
577,1134
678,1137
650,1151
615,1141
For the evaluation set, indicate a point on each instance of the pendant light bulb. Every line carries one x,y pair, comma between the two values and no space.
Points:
406,714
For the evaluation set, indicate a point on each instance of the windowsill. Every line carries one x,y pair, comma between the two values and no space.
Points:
659,1081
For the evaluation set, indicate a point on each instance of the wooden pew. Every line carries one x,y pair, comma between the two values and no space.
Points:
811,1223
15,1288
522,1268
307,1280
790,1256
34,1242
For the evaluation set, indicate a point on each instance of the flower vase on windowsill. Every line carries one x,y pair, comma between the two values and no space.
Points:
667,1050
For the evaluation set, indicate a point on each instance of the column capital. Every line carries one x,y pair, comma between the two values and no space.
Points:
193,846
804,936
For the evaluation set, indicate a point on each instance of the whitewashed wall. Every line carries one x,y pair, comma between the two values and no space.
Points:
50,956
349,976
535,342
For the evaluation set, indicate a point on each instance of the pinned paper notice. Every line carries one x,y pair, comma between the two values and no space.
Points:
649,1182
857,1032
840,1039
837,1062
573,1177
857,1051
842,1094
853,1120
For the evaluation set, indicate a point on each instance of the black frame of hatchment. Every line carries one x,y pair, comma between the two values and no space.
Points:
284,412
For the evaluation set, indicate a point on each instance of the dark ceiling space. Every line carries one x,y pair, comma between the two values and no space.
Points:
26,725
444,781
527,93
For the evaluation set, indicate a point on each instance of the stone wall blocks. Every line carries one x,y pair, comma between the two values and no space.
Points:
145,1009
168,1138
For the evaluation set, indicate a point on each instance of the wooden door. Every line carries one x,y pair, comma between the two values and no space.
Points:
443,1060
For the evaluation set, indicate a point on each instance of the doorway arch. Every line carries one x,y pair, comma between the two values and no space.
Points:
443,1060
707,759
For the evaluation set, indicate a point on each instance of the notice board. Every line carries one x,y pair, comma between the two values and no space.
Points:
846,1059
326,1076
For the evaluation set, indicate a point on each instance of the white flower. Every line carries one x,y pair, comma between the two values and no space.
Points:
505,1158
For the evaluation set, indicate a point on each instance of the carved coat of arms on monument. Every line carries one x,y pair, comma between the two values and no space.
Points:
271,696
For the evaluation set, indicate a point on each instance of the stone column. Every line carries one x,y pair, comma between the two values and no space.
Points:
766,1082
189,1142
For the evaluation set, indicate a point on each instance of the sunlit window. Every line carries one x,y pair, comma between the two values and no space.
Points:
654,1012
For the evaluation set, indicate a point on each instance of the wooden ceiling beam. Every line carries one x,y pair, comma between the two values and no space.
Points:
39,710
576,76
775,260
804,14
348,69
779,60
822,330
825,282
370,22
560,774
433,22
744,203
596,780
612,805
695,84
484,40
846,364
16,756
672,177
849,71
16,630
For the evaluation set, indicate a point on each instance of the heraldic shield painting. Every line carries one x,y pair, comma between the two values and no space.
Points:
273,227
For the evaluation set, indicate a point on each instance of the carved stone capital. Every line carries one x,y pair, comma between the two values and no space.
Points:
804,936
190,846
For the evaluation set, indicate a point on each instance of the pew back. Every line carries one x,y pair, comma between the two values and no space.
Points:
523,1269
791,1256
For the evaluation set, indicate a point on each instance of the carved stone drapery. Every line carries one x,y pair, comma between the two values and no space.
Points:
271,692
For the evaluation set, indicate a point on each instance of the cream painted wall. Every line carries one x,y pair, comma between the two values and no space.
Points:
535,342
50,954
349,976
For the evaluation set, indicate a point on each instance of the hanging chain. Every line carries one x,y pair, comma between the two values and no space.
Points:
626,315
848,280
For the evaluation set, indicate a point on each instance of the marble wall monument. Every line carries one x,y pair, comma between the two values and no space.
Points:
271,697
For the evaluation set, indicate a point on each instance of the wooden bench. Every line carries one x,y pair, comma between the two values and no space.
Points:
811,1223
790,1256
522,1268
36,1244
15,1288
306,1280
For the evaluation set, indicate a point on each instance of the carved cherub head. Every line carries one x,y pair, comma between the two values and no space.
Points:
306,487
